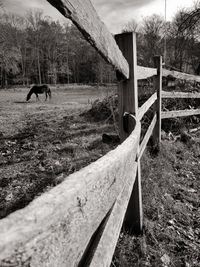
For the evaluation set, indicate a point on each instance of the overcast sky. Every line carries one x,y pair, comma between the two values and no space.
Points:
114,13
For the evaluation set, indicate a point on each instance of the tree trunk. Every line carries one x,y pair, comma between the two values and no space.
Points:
100,71
6,81
1,77
23,62
39,70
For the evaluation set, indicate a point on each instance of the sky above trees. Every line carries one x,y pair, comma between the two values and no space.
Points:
115,13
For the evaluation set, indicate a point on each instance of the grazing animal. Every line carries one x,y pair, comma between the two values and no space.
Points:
39,89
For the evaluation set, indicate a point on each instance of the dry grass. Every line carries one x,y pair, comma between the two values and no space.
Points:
170,186
41,143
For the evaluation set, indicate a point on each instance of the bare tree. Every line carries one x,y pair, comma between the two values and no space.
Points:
152,30
131,26
183,42
34,18
191,18
9,52
40,50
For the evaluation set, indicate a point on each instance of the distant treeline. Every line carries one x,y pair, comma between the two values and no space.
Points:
36,49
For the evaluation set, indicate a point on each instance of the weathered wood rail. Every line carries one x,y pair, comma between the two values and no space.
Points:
179,113
174,94
181,75
145,107
78,222
56,228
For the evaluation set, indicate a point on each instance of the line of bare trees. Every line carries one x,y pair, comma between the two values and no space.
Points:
181,36
36,49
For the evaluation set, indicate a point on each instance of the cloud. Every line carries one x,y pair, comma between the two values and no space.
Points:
120,4
116,13
21,7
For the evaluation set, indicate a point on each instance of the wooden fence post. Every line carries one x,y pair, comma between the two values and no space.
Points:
127,89
158,104
128,102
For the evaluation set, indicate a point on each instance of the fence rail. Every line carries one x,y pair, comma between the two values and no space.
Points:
181,75
179,113
173,94
78,222
145,107
106,246
144,72
147,136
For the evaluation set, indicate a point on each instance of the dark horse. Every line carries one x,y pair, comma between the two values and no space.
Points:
39,89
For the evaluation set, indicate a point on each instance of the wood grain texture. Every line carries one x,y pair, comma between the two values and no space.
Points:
180,113
106,247
55,228
147,136
181,75
145,107
144,72
128,90
85,17
134,214
166,94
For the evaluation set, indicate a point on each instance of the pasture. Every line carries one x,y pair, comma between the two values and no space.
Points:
65,101
43,141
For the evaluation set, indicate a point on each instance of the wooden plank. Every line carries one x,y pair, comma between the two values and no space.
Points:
180,113
194,130
145,107
173,94
84,16
144,72
158,105
106,246
181,75
127,90
134,215
55,228
128,102
147,136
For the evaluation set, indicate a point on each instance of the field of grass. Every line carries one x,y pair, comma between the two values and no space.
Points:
43,142
66,100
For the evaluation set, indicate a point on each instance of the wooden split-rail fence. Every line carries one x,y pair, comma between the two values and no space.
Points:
78,222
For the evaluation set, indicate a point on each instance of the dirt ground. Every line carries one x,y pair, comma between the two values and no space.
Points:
43,142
